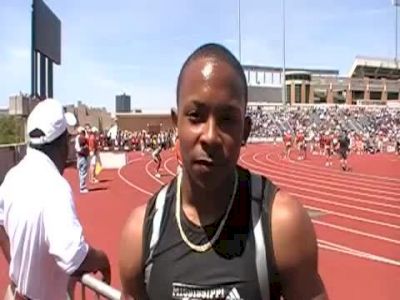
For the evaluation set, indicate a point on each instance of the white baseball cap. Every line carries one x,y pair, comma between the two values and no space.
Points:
49,117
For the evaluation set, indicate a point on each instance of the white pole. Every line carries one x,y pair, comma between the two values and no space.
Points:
284,100
240,33
396,8
396,3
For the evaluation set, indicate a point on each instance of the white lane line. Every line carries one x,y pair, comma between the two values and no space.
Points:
334,181
315,191
357,232
352,217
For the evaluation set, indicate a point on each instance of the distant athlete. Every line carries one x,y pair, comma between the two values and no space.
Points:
344,149
327,142
156,155
301,145
335,142
321,143
287,143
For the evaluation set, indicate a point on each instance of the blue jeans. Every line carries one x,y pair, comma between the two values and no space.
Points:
82,165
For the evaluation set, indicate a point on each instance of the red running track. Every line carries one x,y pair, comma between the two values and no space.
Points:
358,233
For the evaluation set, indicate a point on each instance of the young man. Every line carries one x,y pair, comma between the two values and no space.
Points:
40,233
200,237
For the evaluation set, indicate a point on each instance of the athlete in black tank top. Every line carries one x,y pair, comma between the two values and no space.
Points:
233,224
228,268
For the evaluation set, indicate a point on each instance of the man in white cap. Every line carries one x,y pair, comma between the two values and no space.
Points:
40,233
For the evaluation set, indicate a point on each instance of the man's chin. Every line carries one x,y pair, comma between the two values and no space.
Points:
209,181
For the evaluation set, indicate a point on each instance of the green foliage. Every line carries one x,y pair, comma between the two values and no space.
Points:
11,130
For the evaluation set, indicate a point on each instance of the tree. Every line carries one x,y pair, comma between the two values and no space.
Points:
11,130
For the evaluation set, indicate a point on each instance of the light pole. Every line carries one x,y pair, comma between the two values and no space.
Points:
239,33
284,100
396,4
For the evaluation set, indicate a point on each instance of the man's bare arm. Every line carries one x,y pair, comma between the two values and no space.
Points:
5,243
130,257
296,251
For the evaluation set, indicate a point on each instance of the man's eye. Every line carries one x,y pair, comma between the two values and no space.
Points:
229,118
193,116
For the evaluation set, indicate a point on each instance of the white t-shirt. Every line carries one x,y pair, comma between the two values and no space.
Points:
46,239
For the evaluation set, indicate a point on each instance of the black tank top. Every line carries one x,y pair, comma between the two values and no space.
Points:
227,271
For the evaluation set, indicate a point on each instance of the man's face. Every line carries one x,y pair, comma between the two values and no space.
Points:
211,121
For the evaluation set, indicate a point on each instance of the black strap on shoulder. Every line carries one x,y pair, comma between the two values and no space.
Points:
152,229
147,228
261,261
270,190
263,193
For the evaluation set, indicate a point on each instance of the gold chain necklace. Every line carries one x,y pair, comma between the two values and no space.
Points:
205,247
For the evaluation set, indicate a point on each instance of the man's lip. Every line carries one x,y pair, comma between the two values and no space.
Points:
205,162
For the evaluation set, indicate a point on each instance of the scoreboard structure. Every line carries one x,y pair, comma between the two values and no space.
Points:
46,49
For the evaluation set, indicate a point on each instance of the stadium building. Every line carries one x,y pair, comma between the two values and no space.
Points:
370,81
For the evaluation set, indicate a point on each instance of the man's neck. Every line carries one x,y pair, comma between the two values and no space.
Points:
202,206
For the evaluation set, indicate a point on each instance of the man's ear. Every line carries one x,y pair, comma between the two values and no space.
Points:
174,117
247,129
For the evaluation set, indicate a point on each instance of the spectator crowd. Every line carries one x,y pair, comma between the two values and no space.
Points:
370,130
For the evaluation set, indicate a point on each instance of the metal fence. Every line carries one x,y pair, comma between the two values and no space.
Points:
10,155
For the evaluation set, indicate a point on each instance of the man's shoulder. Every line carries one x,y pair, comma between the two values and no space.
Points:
134,224
292,226
57,187
286,208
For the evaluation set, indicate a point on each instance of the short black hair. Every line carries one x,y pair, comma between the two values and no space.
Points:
217,51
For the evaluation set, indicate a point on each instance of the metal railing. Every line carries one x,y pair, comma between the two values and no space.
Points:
99,288
91,286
